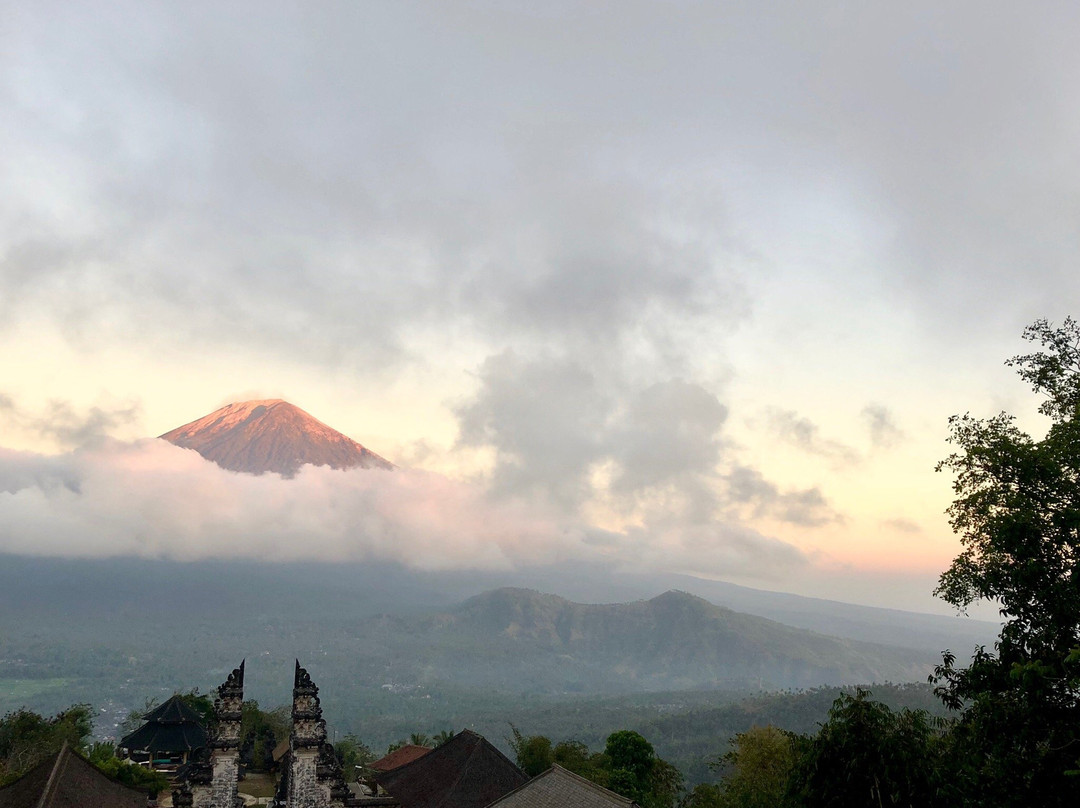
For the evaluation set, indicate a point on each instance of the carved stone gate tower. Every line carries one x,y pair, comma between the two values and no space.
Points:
315,779
311,778
212,782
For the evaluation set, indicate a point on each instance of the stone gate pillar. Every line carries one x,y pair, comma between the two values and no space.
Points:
315,779
213,784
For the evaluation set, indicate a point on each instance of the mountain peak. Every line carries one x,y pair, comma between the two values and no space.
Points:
271,435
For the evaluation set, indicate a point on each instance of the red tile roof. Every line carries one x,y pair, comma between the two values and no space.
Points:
399,757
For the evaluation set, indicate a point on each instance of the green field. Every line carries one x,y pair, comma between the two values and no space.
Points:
15,693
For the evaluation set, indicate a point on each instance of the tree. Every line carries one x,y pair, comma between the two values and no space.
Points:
628,765
760,766
534,754
103,756
1017,512
261,732
866,754
576,757
352,754
636,772
27,738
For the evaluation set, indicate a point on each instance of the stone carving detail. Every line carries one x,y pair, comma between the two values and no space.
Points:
315,778
228,708
182,796
312,777
212,782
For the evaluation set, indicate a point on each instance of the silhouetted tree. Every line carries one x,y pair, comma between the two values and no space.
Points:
1017,512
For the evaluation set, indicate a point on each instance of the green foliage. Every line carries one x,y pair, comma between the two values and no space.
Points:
200,703
866,754
760,766
27,738
133,775
534,754
576,757
705,795
1017,511
628,765
260,732
352,754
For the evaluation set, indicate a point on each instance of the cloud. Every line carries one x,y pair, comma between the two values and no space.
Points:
331,186
884,431
66,426
807,507
545,418
902,525
655,451
804,434
152,499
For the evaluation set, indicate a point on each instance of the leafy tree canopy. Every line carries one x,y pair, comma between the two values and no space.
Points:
1017,512
27,738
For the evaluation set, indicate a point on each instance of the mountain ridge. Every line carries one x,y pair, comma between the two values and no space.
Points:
672,640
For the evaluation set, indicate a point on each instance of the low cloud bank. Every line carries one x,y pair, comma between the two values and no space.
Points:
151,499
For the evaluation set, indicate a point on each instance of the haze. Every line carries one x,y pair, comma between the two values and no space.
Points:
690,287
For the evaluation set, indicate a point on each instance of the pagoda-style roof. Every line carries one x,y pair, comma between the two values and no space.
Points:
561,788
65,780
171,727
174,711
465,772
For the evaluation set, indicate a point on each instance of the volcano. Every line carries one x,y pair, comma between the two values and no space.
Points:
271,435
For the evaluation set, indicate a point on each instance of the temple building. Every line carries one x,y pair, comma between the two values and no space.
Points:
311,776
172,736
464,772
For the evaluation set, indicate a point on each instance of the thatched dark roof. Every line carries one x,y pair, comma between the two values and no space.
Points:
65,780
165,738
174,711
560,788
465,772
172,727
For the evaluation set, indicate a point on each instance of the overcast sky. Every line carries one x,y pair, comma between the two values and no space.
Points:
686,285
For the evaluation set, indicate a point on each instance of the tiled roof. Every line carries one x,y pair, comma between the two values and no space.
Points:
465,772
560,788
399,757
65,780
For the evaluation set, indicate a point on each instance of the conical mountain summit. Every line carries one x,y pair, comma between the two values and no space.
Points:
271,435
